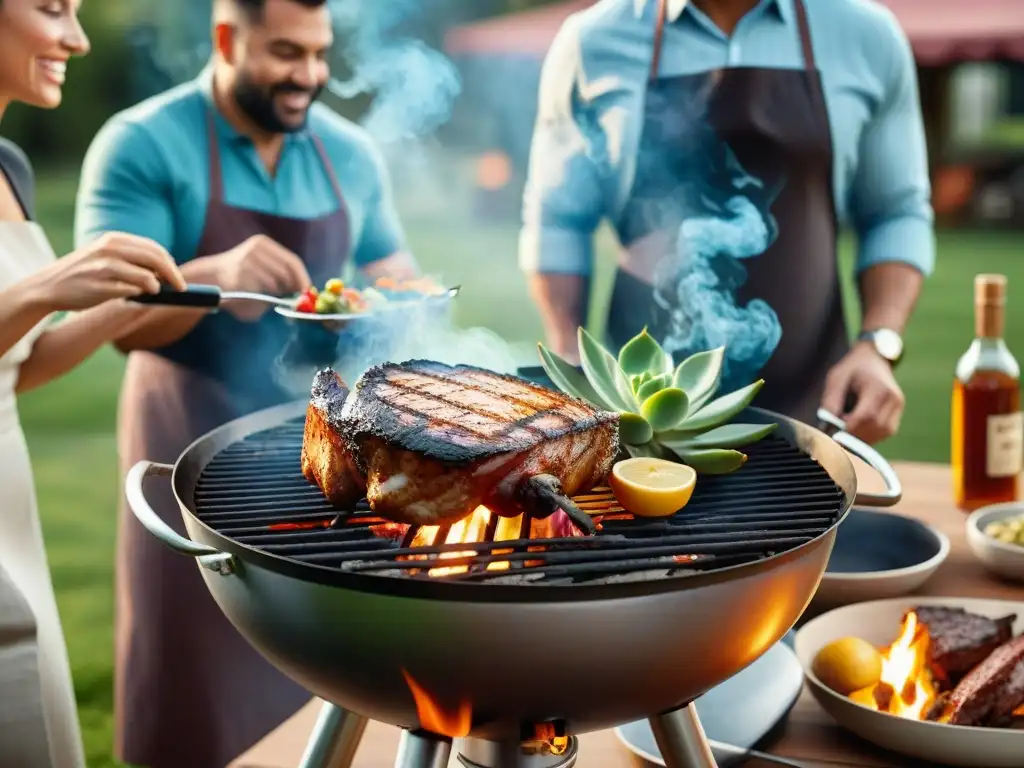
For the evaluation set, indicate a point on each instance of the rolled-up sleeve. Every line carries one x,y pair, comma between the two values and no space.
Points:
563,202
890,198
124,187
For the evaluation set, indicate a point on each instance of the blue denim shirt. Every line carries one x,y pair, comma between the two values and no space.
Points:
595,77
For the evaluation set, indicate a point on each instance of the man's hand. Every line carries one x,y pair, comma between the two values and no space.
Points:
400,266
867,377
259,265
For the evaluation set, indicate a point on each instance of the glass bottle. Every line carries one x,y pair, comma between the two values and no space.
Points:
987,424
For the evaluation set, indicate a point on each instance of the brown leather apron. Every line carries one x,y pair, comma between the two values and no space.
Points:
696,127
189,689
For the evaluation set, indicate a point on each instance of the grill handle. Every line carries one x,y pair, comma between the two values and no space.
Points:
208,557
836,429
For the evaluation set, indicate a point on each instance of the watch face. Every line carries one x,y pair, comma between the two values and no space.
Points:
888,343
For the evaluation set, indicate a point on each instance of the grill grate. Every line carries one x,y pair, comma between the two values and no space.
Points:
253,492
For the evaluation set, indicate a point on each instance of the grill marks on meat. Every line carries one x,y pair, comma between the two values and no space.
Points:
427,443
461,413
959,640
990,692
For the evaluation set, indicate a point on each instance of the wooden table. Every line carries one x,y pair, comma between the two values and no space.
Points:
808,735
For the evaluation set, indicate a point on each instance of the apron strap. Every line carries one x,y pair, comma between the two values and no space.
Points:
802,25
659,37
216,177
321,150
805,35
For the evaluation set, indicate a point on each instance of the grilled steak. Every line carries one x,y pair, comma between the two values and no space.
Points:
985,696
429,442
1010,698
959,640
325,459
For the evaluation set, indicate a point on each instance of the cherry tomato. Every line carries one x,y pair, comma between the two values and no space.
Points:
335,286
306,303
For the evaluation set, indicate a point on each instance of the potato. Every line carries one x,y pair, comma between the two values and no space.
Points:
847,665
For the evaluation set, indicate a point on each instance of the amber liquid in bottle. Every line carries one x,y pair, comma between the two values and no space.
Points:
987,424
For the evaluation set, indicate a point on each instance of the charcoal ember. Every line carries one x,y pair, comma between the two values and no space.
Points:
884,694
937,707
959,641
989,692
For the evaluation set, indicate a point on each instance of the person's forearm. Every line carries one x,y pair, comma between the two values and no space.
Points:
157,327
562,302
888,293
68,344
22,308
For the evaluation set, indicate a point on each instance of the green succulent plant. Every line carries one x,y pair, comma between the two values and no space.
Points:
665,411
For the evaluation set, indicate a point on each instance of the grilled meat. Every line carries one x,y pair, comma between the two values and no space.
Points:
325,459
1010,698
430,442
989,692
959,640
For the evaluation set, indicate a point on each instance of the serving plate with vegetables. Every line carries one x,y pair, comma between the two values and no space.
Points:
336,304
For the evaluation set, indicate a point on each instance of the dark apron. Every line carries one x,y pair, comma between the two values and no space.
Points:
189,689
775,123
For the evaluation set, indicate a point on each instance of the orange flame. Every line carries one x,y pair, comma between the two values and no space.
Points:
467,530
906,688
433,718
475,528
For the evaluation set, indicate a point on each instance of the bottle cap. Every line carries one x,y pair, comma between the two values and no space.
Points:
990,289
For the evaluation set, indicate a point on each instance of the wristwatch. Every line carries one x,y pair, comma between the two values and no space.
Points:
887,343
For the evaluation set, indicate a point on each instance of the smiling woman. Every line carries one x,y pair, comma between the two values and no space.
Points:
37,38
38,721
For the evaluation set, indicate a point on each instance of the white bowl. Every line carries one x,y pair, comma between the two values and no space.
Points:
878,622
999,557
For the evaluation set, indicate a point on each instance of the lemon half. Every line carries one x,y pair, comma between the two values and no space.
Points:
652,487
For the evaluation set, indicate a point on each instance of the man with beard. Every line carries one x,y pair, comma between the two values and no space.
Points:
251,186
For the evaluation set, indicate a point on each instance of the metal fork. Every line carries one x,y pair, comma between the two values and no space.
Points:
767,758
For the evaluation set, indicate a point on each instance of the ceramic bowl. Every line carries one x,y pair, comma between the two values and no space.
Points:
878,622
878,555
999,557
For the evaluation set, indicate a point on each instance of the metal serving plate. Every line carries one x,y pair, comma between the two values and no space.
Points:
346,317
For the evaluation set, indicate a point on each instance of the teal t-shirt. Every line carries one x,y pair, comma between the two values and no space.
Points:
147,173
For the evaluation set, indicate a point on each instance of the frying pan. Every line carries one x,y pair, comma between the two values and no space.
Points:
211,297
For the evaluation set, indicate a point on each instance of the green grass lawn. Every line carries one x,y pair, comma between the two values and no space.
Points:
70,423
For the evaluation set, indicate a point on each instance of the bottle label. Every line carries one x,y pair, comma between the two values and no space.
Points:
1005,454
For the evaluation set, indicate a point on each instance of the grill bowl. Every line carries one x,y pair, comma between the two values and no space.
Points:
511,654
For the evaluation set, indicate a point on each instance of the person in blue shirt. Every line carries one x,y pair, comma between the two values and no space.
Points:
726,141
251,185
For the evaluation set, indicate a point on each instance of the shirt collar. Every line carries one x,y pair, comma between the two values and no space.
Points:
784,8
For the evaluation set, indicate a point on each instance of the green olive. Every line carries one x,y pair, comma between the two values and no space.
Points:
326,303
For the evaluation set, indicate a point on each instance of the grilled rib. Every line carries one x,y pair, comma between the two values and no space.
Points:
958,640
989,692
430,442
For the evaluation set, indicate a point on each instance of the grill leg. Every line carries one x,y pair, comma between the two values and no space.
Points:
335,738
419,749
681,739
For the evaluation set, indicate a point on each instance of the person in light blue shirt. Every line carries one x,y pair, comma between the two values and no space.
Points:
725,140
252,186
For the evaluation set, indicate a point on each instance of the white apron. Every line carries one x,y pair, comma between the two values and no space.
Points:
38,717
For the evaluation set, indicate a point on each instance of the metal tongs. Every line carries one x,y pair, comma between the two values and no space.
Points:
211,297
